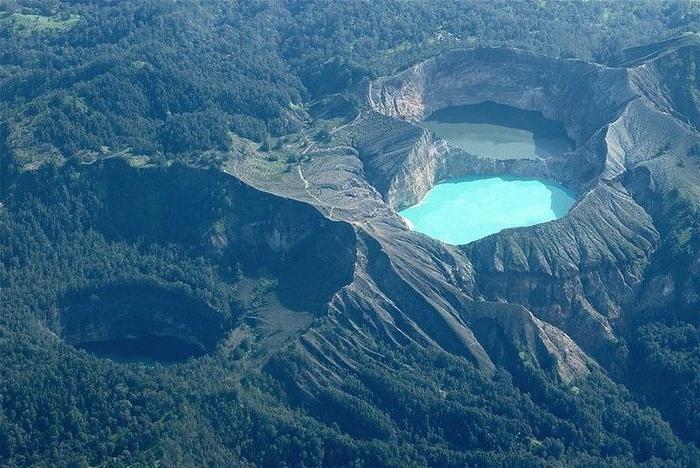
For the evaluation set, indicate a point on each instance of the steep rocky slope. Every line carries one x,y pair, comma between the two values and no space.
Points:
277,262
324,290
556,295
580,273
559,292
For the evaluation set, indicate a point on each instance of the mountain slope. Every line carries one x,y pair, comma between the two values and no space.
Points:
326,332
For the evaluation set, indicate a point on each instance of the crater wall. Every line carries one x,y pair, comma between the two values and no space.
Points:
580,273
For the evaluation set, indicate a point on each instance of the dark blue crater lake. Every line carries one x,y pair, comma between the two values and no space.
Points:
148,349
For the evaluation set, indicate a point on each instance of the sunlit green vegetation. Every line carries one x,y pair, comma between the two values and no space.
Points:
29,24
174,77
202,82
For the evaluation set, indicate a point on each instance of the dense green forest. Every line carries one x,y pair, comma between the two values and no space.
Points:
160,77
418,407
80,80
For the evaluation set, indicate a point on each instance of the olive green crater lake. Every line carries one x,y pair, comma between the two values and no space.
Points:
499,132
460,211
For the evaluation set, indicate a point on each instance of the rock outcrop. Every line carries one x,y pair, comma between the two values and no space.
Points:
552,294
633,134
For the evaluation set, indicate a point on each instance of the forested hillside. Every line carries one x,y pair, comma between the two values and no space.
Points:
165,78
117,119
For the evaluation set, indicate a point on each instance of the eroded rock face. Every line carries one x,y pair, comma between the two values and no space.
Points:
551,295
243,234
584,272
583,96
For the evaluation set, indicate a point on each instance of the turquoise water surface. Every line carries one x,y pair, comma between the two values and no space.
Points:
460,211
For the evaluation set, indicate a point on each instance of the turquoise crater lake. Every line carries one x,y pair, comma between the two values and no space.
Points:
460,211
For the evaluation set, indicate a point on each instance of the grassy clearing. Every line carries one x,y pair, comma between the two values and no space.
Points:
266,165
29,24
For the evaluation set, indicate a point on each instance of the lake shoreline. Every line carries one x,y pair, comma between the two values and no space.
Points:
460,211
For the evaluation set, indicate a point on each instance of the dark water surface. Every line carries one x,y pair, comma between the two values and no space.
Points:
149,348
